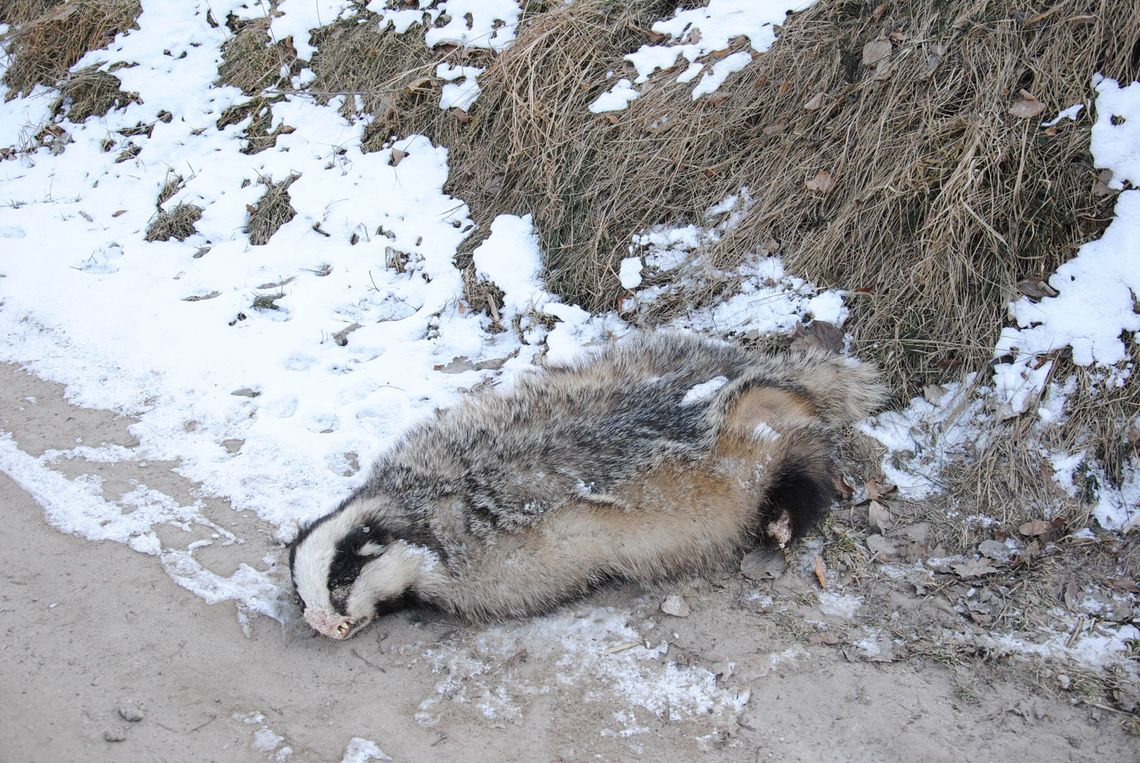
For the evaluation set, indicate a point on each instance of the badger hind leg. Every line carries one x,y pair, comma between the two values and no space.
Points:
801,489
784,431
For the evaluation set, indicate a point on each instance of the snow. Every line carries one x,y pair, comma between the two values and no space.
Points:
458,95
361,750
630,273
704,391
699,36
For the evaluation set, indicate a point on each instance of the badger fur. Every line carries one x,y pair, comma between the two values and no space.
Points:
665,454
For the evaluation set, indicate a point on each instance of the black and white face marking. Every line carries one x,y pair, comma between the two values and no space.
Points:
348,572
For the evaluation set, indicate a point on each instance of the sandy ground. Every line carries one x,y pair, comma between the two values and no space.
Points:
95,634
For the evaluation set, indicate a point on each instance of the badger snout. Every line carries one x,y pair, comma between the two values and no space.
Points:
331,624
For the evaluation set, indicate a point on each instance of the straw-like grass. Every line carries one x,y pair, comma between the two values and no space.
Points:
270,212
177,223
44,46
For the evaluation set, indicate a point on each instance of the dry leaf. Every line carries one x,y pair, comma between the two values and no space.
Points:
820,334
973,568
1027,107
934,393
820,572
879,517
881,546
814,103
775,129
822,182
118,212
830,639
877,489
1101,187
883,70
1034,528
1036,288
875,51
397,157
463,117
842,488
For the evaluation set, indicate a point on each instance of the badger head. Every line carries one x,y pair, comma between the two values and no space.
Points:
347,571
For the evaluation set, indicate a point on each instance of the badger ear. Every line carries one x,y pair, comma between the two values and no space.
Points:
371,548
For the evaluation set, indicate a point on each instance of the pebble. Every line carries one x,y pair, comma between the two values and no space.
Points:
675,605
130,713
114,735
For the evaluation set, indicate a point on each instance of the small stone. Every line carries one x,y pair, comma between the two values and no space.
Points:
130,713
114,735
675,605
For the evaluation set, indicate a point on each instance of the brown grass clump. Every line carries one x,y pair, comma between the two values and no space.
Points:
177,222
257,135
16,12
250,61
91,92
390,75
44,47
270,212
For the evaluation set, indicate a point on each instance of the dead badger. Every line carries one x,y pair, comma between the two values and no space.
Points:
665,454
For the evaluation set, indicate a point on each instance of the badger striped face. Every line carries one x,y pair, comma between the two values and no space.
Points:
347,572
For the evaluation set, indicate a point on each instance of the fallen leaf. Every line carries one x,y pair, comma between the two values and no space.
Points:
973,568
814,103
118,212
842,488
1034,528
820,572
763,564
830,639
934,393
820,334
397,157
1036,288
465,118
995,550
877,489
1101,187
883,70
881,546
875,51
775,129
879,517
1027,107
822,182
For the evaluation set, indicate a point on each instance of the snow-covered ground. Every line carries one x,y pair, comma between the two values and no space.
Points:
277,408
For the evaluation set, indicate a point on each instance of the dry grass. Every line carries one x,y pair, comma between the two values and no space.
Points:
259,134
270,212
17,12
91,92
251,61
44,46
177,223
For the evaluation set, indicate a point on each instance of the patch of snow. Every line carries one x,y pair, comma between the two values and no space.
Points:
699,393
361,750
630,273
458,95
617,98
839,605
700,36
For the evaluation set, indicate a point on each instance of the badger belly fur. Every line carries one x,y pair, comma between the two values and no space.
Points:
664,454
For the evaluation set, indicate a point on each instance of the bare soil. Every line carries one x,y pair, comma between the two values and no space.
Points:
96,634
